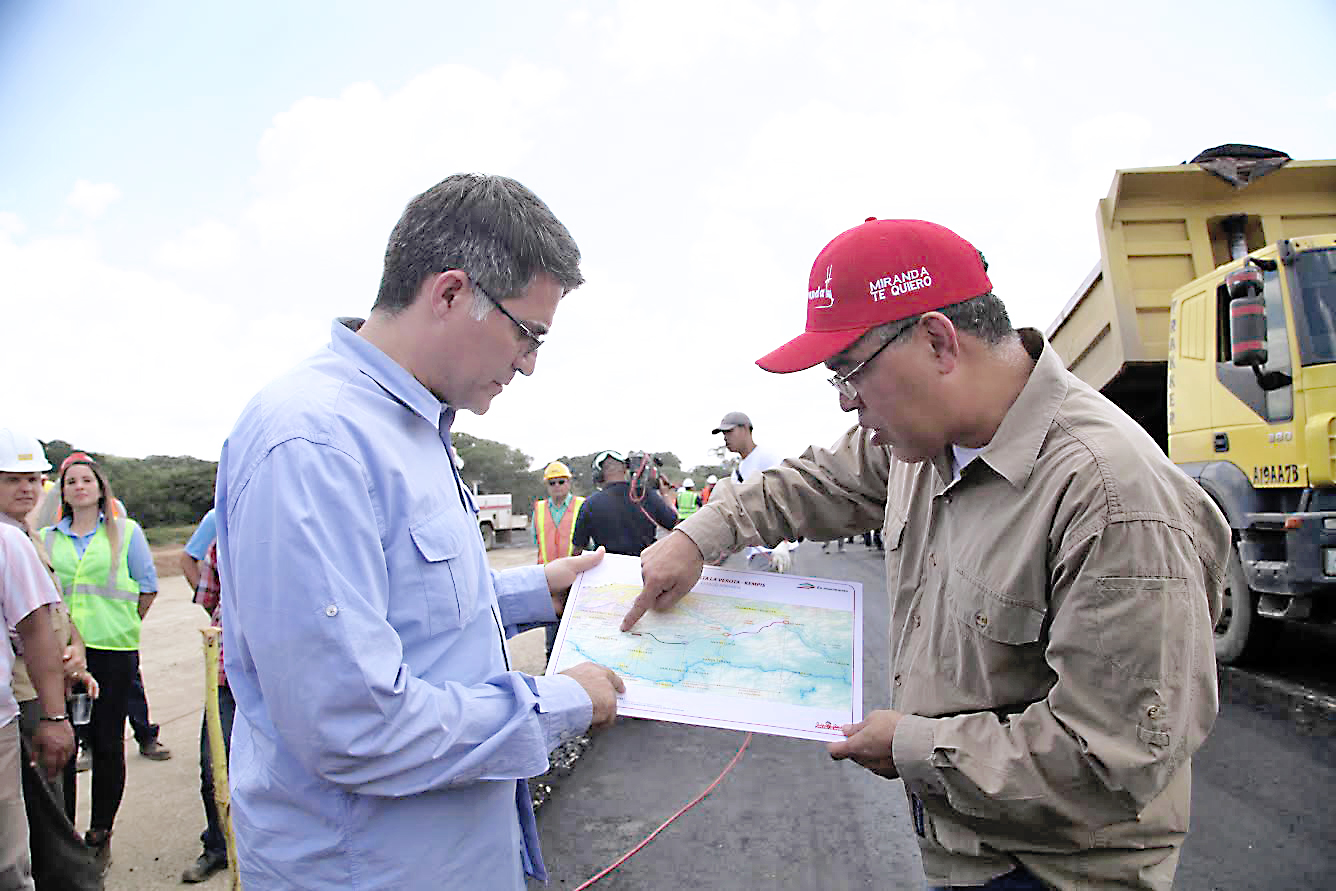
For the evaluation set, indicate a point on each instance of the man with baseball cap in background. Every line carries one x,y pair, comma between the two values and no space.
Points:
1053,578
737,429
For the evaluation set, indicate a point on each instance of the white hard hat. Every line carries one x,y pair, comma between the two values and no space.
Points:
711,480
605,455
20,453
688,483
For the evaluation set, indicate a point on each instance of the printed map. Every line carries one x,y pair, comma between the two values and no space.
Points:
730,646
758,651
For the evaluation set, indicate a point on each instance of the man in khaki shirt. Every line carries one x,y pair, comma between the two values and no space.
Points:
1053,577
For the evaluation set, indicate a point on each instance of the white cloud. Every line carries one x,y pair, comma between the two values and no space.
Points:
92,199
11,224
702,153
204,247
676,42
328,165
335,173
125,361
1111,141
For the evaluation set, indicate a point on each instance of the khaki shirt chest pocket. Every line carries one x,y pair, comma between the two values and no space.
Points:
1131,619
449,597
990,642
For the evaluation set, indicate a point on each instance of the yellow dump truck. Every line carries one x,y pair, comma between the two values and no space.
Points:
1211,319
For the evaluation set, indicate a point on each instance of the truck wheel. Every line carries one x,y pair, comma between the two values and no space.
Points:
1240,635
488,536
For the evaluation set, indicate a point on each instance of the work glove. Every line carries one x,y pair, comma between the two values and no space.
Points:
781,558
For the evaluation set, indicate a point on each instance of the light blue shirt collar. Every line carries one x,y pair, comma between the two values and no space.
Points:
392,377
66,524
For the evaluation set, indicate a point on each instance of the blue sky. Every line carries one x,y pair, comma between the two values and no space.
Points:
191,192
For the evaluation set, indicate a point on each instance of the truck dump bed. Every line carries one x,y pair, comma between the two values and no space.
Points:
1160,228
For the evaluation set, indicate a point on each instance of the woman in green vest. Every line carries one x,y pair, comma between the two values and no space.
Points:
108,582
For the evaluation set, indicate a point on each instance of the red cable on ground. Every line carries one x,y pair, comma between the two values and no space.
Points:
649,838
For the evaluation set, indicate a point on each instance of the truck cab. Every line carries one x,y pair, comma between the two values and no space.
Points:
1211,320
1258,435
496,519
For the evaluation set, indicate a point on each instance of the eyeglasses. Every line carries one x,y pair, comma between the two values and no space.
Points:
557,482
524,329
844,382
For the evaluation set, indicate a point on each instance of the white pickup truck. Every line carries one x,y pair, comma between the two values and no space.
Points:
495,519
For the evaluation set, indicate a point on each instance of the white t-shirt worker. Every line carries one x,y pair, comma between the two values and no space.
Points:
737,430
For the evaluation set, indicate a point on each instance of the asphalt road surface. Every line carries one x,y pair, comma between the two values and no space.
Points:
1262,815
788,817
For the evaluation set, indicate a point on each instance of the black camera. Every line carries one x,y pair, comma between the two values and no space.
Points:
642,472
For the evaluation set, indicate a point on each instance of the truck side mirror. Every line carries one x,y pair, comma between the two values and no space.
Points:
1247,317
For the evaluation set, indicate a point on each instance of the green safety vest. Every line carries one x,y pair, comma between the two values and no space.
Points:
102,598
686,503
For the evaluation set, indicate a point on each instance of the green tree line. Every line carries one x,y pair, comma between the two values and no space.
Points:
163,490
159,490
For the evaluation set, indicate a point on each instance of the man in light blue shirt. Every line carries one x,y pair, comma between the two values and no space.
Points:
200,541
381,739
203,536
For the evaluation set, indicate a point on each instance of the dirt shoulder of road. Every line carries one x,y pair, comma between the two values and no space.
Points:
167,560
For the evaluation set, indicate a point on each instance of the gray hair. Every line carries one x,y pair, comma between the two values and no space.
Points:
481,307
490,227
984,317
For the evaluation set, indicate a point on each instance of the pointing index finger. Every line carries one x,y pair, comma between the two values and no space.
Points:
641,605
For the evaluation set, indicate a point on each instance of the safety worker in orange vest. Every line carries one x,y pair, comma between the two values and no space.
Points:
554,516
709,487
554,522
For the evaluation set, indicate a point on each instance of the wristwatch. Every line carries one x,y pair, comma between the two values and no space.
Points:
55,717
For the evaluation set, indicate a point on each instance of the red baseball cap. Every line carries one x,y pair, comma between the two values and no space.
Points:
879,272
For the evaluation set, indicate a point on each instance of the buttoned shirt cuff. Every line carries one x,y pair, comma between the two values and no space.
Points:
523,598
912,750
565,710
710,532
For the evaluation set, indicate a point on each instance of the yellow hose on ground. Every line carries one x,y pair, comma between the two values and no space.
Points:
217,751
